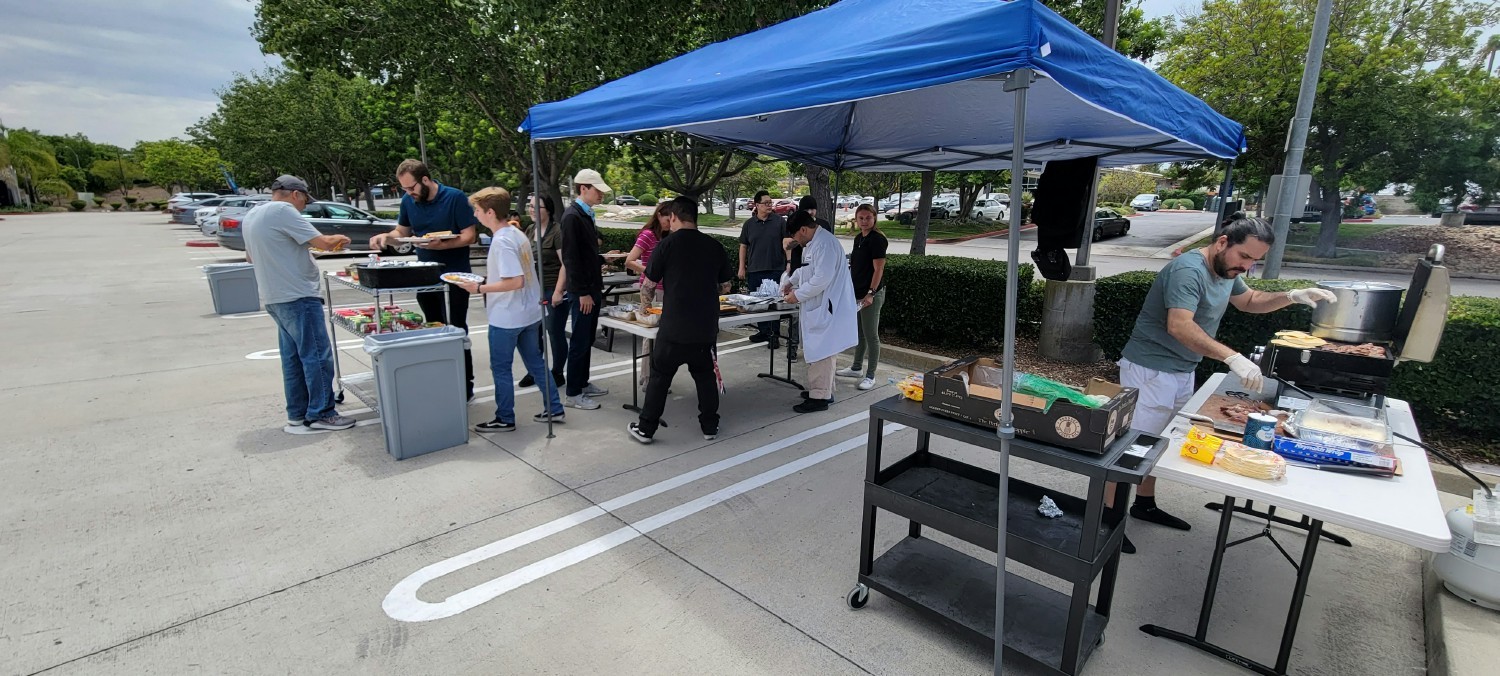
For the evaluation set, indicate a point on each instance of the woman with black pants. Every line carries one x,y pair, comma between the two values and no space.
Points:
544,230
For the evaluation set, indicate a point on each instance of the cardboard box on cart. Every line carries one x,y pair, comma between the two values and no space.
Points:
976,399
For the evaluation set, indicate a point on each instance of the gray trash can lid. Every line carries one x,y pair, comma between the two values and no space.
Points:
227,267
376,343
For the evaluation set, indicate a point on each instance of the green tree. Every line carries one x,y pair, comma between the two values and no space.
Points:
1121,186
33,159
175,164
1463,159
1375,94
970,184
115,173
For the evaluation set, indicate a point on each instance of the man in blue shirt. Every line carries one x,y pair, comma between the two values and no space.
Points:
426,208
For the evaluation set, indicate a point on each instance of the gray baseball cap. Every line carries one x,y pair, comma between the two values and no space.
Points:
290,182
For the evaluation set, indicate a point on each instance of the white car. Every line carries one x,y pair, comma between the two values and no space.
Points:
189,197
989,209
207,219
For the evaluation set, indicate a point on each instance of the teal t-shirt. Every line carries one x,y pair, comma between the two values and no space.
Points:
1185,283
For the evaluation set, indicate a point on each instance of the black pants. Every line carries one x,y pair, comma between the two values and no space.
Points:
666,356
754,279
581,345
556,330
455,314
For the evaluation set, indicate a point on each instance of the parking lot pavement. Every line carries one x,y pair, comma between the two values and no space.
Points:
158,521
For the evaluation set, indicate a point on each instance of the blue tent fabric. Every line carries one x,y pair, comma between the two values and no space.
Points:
831,89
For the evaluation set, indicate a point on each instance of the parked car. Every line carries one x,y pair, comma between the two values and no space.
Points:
989,209
899,200
1108,223
186,213
908,216
627,201
206,216
784,206
742,204
184,198
1310,214
329,218
1146,202
1480,215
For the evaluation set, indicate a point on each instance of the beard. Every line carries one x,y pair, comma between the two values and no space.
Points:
424,193
1223,270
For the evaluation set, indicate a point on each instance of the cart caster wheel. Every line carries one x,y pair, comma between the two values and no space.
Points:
858,597
338,398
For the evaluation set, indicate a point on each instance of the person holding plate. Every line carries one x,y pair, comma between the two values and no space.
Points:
428,209
513,305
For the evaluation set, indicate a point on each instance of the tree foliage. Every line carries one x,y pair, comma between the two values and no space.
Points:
115,173
1121,186
174,163
1375,94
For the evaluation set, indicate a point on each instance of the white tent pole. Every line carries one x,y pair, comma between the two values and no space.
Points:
1019,82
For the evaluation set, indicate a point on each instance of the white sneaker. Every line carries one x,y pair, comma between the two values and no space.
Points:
847,373
867,384
300,427
581,401
592,390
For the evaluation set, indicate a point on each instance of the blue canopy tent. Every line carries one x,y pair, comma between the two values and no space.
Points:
904,85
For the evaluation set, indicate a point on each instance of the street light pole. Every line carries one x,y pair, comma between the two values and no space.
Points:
1296,142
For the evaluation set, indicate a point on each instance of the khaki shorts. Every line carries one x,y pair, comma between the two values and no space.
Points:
1162,395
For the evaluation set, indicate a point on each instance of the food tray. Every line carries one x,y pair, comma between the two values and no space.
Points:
1347,426
399,276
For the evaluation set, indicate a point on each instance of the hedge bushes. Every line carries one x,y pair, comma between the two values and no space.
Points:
948,300
1455,393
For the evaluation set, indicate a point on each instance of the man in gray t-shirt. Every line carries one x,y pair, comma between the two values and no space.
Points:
276,241
1175,330
762,257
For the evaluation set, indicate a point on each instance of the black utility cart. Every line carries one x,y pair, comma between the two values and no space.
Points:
1051,629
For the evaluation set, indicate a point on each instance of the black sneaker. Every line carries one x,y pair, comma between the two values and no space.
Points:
710,435
558,418
526,381
774,344
638,435
559,379
1127,546
759,338
1155,515
812,405
495,425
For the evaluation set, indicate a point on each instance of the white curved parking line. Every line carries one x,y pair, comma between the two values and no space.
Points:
402,602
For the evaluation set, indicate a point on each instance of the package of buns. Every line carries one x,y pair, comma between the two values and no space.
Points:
1251,462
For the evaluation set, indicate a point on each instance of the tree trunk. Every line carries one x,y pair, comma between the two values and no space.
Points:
1328,231
817,186
369,196
924,213
731,195
967,195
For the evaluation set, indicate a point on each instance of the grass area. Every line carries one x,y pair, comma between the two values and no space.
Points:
704,220
947,229
1306,234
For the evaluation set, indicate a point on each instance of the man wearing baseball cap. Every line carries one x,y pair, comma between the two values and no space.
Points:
276,241
585,283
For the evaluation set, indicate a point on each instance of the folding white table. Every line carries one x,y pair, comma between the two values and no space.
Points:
1403,509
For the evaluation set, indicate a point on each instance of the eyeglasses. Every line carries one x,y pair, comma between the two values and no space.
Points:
763,203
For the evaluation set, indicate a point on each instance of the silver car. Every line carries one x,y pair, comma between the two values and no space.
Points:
329,218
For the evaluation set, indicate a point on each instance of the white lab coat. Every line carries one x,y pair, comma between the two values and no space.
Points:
823,286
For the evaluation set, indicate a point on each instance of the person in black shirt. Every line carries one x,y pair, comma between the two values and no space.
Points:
867,271
693,269
762,257
585,282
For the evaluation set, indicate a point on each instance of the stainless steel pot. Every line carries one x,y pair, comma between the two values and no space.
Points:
1366,312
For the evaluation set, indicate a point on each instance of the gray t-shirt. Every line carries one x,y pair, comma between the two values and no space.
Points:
276,237
1185,283
762,240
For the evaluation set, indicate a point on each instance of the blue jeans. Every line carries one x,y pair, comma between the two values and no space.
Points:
503,346
306,358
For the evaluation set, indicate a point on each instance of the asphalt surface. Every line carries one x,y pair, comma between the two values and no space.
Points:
157,519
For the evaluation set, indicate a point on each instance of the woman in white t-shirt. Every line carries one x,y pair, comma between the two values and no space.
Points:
513,303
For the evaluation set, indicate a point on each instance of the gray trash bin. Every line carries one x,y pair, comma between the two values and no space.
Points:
233,287
419,380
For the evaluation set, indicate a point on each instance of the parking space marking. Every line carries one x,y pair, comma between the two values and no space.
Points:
402,603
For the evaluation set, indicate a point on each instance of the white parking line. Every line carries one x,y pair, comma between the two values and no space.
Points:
402,603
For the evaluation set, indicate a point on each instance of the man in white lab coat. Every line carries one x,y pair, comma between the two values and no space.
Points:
828,313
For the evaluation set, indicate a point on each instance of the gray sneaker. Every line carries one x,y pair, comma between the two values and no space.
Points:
581,401
592,390
332,422
299,427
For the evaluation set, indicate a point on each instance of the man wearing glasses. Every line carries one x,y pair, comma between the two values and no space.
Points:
762,257
427,207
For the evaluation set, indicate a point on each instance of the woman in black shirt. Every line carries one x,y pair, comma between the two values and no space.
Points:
867,271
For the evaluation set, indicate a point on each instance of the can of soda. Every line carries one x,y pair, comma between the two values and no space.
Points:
1260,431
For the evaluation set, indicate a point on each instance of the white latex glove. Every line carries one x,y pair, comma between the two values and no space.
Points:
1310,297
1247,371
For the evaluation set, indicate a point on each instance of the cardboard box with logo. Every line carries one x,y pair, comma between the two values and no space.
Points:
968,389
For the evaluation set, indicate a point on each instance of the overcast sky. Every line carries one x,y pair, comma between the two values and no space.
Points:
120,71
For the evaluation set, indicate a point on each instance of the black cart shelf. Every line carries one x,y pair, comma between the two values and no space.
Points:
1051,629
